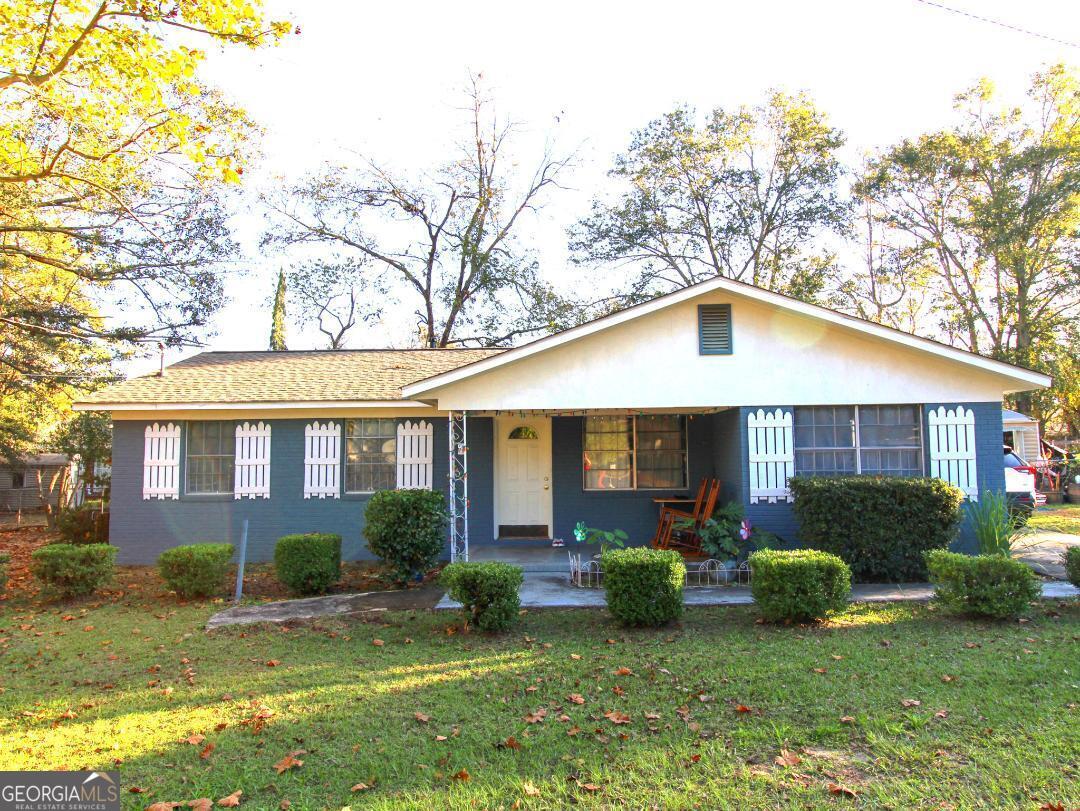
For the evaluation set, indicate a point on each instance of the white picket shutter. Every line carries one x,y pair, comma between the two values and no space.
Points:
771,455
414,455
322,455
952,448
252,463
161,461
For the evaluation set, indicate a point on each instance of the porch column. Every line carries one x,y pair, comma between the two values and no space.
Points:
459,486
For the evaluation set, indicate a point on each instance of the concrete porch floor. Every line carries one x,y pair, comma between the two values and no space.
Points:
538,556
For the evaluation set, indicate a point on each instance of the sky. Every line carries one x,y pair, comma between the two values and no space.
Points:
386,79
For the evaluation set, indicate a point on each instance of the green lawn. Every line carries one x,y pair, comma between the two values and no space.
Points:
1056,518
710,706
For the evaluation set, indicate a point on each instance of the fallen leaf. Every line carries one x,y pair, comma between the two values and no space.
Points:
232,800
941,714
136,790
589,786
164,806
623,671
847,719
820,670
378,643
284,805
509,743
195,739
207,750
536,717
272,662
289,762
529,789
574,730
836,788
911,702
440,738
463,776
575,656
201,804
947,678
742,708
423,719
787,758
617,717
360,787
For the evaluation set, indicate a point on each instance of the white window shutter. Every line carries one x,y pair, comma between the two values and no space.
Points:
952,448
771,455
161,461
322,453
252,463
414,455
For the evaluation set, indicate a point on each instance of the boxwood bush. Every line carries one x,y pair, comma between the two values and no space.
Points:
643,586
70,570
798,584
984,585
880,526
1071,559
406,529
308,564
195,570
87,523
487,591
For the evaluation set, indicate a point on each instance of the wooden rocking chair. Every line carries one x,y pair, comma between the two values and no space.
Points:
669,535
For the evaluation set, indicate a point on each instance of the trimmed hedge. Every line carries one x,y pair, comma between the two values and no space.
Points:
1072,565
798,584
487,591
881,527
406,529
195,570
87,523
984,585
5,559
70,570
308,564
643,586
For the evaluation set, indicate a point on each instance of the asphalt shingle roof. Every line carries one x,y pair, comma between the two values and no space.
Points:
261,377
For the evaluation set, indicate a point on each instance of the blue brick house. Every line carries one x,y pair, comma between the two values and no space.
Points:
592,424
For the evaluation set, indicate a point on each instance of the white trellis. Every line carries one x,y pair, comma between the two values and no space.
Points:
322,452
771,454
252,462
952,448
414,455
161,461
459,485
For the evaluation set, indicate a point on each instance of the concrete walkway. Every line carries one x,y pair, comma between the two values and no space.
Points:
546,591
1043,552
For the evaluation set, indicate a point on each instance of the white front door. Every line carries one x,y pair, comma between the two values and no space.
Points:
523,476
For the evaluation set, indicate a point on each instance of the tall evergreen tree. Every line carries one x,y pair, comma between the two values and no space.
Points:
277,327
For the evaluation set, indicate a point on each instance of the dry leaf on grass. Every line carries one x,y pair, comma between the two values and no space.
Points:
463,776
207,750
421,717
911,702
529,789
576,698
787,758
195,739
843,791
289,762
231,801
536,717
360,787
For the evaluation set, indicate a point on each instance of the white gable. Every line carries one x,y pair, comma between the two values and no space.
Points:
782,355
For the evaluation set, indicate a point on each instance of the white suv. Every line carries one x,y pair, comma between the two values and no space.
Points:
1019,481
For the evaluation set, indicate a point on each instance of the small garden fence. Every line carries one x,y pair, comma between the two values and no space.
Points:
586,572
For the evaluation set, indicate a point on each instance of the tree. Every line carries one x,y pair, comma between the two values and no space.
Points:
277,326
992,206
113,159
446,241
745,195
336,295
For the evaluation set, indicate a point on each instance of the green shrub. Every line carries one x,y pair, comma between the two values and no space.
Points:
87,523
5,559
487,591
1071,559
994,523
643,586
799,584
880,526
985,585
406,529
196,570
70,570
308,564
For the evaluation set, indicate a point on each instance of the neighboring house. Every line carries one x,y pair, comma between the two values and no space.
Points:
19,488
1021,433
591,424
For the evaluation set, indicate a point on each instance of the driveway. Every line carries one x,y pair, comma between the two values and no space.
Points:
1042,551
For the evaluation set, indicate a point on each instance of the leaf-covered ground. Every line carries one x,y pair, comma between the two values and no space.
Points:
888,706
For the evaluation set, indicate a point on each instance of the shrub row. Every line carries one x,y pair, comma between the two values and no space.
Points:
1072,565
800,584
880,526
985,585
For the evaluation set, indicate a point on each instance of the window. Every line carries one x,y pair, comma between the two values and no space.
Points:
846,440
370,455
18,480
524,432
210,452
627,453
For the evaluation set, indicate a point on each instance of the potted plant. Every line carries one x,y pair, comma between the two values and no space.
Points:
606,538
728,536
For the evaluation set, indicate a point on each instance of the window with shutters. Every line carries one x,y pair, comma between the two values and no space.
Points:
714,329
210,457
370,455
883,440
